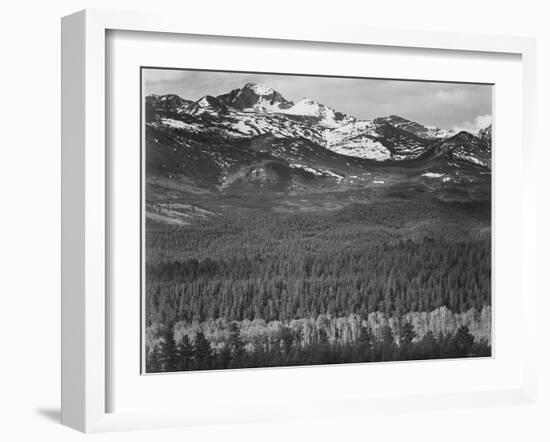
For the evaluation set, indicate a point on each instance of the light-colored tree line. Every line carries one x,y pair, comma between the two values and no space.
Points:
338,330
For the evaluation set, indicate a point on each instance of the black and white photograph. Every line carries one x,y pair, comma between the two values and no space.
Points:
295,220
290,221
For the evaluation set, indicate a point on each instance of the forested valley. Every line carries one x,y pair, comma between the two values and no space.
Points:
388,280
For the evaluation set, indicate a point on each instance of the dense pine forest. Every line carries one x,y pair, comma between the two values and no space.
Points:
389,280
198,354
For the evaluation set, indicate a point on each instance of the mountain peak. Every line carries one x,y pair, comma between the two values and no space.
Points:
207,104
255,97
260,89
167,102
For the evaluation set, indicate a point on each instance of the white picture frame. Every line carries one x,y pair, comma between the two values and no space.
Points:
85,307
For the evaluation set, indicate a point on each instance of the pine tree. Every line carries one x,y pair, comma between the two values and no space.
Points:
153,364
223,357
287,338
168,351
185,353
429,347
462,342
236,345
364,342
387,344
322,336
389,294
202,352
406,337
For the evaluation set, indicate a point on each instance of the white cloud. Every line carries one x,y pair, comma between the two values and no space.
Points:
480,122
453,96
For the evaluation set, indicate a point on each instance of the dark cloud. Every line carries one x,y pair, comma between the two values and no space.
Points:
446,105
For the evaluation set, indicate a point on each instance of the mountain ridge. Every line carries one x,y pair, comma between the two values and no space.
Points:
261,101
252,139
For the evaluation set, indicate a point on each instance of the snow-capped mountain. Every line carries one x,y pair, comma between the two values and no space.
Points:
257,111
255,98
259,98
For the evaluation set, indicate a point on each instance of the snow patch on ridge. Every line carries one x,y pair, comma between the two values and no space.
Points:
363,148
318,172
177,124
329,118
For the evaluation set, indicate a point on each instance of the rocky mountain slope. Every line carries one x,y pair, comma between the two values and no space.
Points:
253,139
486,135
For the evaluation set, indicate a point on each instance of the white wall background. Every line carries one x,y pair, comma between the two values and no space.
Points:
30,220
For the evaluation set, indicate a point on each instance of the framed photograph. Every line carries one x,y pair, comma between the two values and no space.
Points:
290,233
281,223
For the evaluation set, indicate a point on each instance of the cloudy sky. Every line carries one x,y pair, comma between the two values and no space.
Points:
446,105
